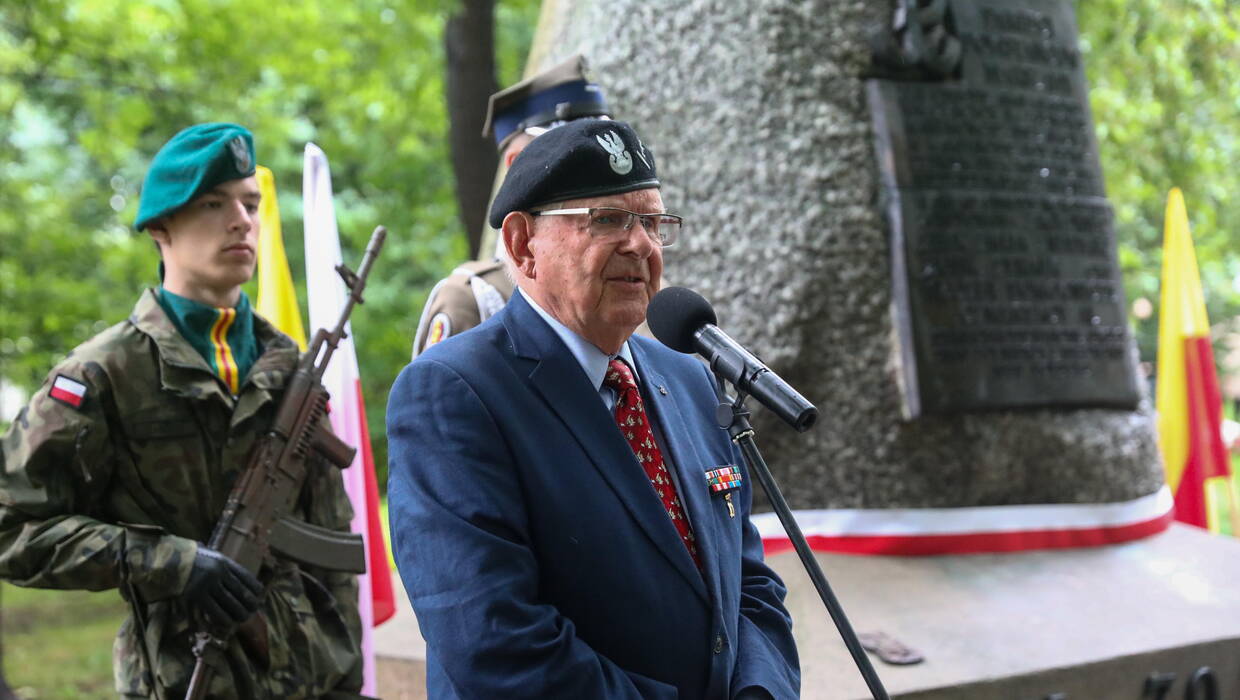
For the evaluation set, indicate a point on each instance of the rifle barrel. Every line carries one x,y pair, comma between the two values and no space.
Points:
356,283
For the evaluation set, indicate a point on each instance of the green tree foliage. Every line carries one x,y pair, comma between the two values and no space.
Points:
89,90
1165,91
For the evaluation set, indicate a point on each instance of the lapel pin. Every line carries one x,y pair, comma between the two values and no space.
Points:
663,390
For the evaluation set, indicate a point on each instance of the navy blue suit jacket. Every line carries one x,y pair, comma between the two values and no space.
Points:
537,556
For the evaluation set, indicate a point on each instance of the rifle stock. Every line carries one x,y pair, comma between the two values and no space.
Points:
255,519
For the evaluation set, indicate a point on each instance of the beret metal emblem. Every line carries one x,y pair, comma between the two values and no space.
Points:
241,154
621,162
641,152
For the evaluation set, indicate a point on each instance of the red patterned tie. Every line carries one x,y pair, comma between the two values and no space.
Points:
631,417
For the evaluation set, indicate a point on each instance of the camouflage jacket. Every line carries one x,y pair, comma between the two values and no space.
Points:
114,489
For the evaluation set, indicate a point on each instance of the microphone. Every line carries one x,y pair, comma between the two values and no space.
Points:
682,320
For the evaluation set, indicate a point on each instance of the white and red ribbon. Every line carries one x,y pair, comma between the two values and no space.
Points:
929,531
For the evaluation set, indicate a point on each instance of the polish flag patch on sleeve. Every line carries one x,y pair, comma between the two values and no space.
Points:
68,391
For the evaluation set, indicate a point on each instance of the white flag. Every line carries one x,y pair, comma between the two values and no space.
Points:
328,295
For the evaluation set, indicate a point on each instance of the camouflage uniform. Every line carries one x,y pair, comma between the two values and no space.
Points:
117,491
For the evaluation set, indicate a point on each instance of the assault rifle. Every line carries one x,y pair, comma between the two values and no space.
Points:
256,518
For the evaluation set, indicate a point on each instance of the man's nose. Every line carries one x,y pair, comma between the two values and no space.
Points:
640,241
241,219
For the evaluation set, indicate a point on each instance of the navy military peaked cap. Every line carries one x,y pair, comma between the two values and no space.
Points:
585,158
559,94
192,162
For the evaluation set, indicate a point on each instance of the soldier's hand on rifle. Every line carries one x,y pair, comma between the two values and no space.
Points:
221,588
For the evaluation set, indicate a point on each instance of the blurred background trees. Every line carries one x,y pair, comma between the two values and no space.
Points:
1165,90
392,90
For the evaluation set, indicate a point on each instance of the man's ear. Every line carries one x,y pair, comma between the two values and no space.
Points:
158,231
517,230
514,148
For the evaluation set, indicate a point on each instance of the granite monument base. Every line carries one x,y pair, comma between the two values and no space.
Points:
1082,624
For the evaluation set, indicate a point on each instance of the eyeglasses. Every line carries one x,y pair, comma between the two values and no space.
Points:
613,222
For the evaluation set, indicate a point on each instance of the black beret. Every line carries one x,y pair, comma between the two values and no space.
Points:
583,158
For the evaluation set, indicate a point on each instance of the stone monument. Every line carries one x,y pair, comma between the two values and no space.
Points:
762,114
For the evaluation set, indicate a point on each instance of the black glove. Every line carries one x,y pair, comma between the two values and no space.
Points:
221,588
753,692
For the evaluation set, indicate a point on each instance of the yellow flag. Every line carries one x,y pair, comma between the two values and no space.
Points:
1182,313
277,300
1187,394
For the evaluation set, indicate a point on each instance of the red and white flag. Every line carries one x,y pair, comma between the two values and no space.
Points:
328,294
69,391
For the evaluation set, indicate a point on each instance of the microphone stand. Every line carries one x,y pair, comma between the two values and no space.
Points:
734,417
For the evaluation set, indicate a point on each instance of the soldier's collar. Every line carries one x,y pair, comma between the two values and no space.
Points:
279,355
149,318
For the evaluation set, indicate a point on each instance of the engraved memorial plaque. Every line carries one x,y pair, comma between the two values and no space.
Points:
1006,284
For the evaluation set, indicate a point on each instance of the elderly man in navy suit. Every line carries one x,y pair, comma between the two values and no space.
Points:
568,519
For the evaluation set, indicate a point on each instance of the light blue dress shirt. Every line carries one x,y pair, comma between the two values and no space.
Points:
592,360
594,363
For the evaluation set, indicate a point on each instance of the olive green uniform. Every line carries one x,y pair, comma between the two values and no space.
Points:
116,491
470,295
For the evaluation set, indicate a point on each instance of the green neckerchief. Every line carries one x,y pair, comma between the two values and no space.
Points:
224,337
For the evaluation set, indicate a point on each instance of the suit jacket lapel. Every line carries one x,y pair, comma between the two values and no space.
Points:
556,375
685,461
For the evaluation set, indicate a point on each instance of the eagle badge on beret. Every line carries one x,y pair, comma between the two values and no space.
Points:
620,160
241,154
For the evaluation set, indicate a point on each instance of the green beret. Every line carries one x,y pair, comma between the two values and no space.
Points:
193,161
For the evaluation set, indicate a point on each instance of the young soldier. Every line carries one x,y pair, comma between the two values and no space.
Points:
117,471
478,289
